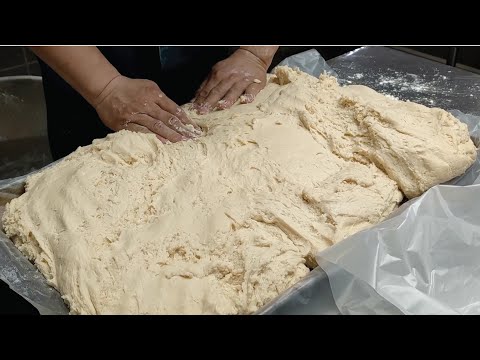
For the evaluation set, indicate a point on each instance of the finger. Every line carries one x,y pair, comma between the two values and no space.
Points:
158,127
171,121
204,88
200,88
189,123
137,128
170,106
219,91
232,95
142,129
174,123
251,92
202,94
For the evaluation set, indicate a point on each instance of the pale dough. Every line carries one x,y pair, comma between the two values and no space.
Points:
224,223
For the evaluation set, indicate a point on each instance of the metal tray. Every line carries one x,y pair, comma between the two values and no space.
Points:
310,296
313,294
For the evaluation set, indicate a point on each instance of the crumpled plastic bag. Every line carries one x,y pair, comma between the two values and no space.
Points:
424,259
309,61
15,270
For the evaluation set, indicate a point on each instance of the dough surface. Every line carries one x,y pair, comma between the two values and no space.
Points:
225,223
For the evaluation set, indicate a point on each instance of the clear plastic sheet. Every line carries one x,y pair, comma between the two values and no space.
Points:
16,270
421,260
424,259
309,61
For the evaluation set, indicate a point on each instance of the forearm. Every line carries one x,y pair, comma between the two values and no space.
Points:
264,53
83,67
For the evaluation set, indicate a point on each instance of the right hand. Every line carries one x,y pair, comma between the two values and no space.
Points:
139,105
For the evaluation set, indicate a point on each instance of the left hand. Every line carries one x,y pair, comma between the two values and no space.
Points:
242,75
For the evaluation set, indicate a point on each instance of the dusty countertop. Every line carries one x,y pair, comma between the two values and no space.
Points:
409,77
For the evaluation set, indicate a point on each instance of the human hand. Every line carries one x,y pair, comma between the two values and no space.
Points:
242,75
139,105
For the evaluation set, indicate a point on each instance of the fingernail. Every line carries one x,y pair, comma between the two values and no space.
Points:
247,98
197,130
194,130
196,127
180,127
184,138
204,108
186,132
223,104
190,134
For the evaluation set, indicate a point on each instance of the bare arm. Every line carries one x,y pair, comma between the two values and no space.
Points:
264,53
83,67
120,102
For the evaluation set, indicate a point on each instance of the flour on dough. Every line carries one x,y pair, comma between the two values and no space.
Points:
225,223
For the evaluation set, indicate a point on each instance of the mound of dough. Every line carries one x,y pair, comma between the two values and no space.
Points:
224,223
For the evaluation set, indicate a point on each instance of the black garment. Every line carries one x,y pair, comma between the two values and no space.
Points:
72,122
